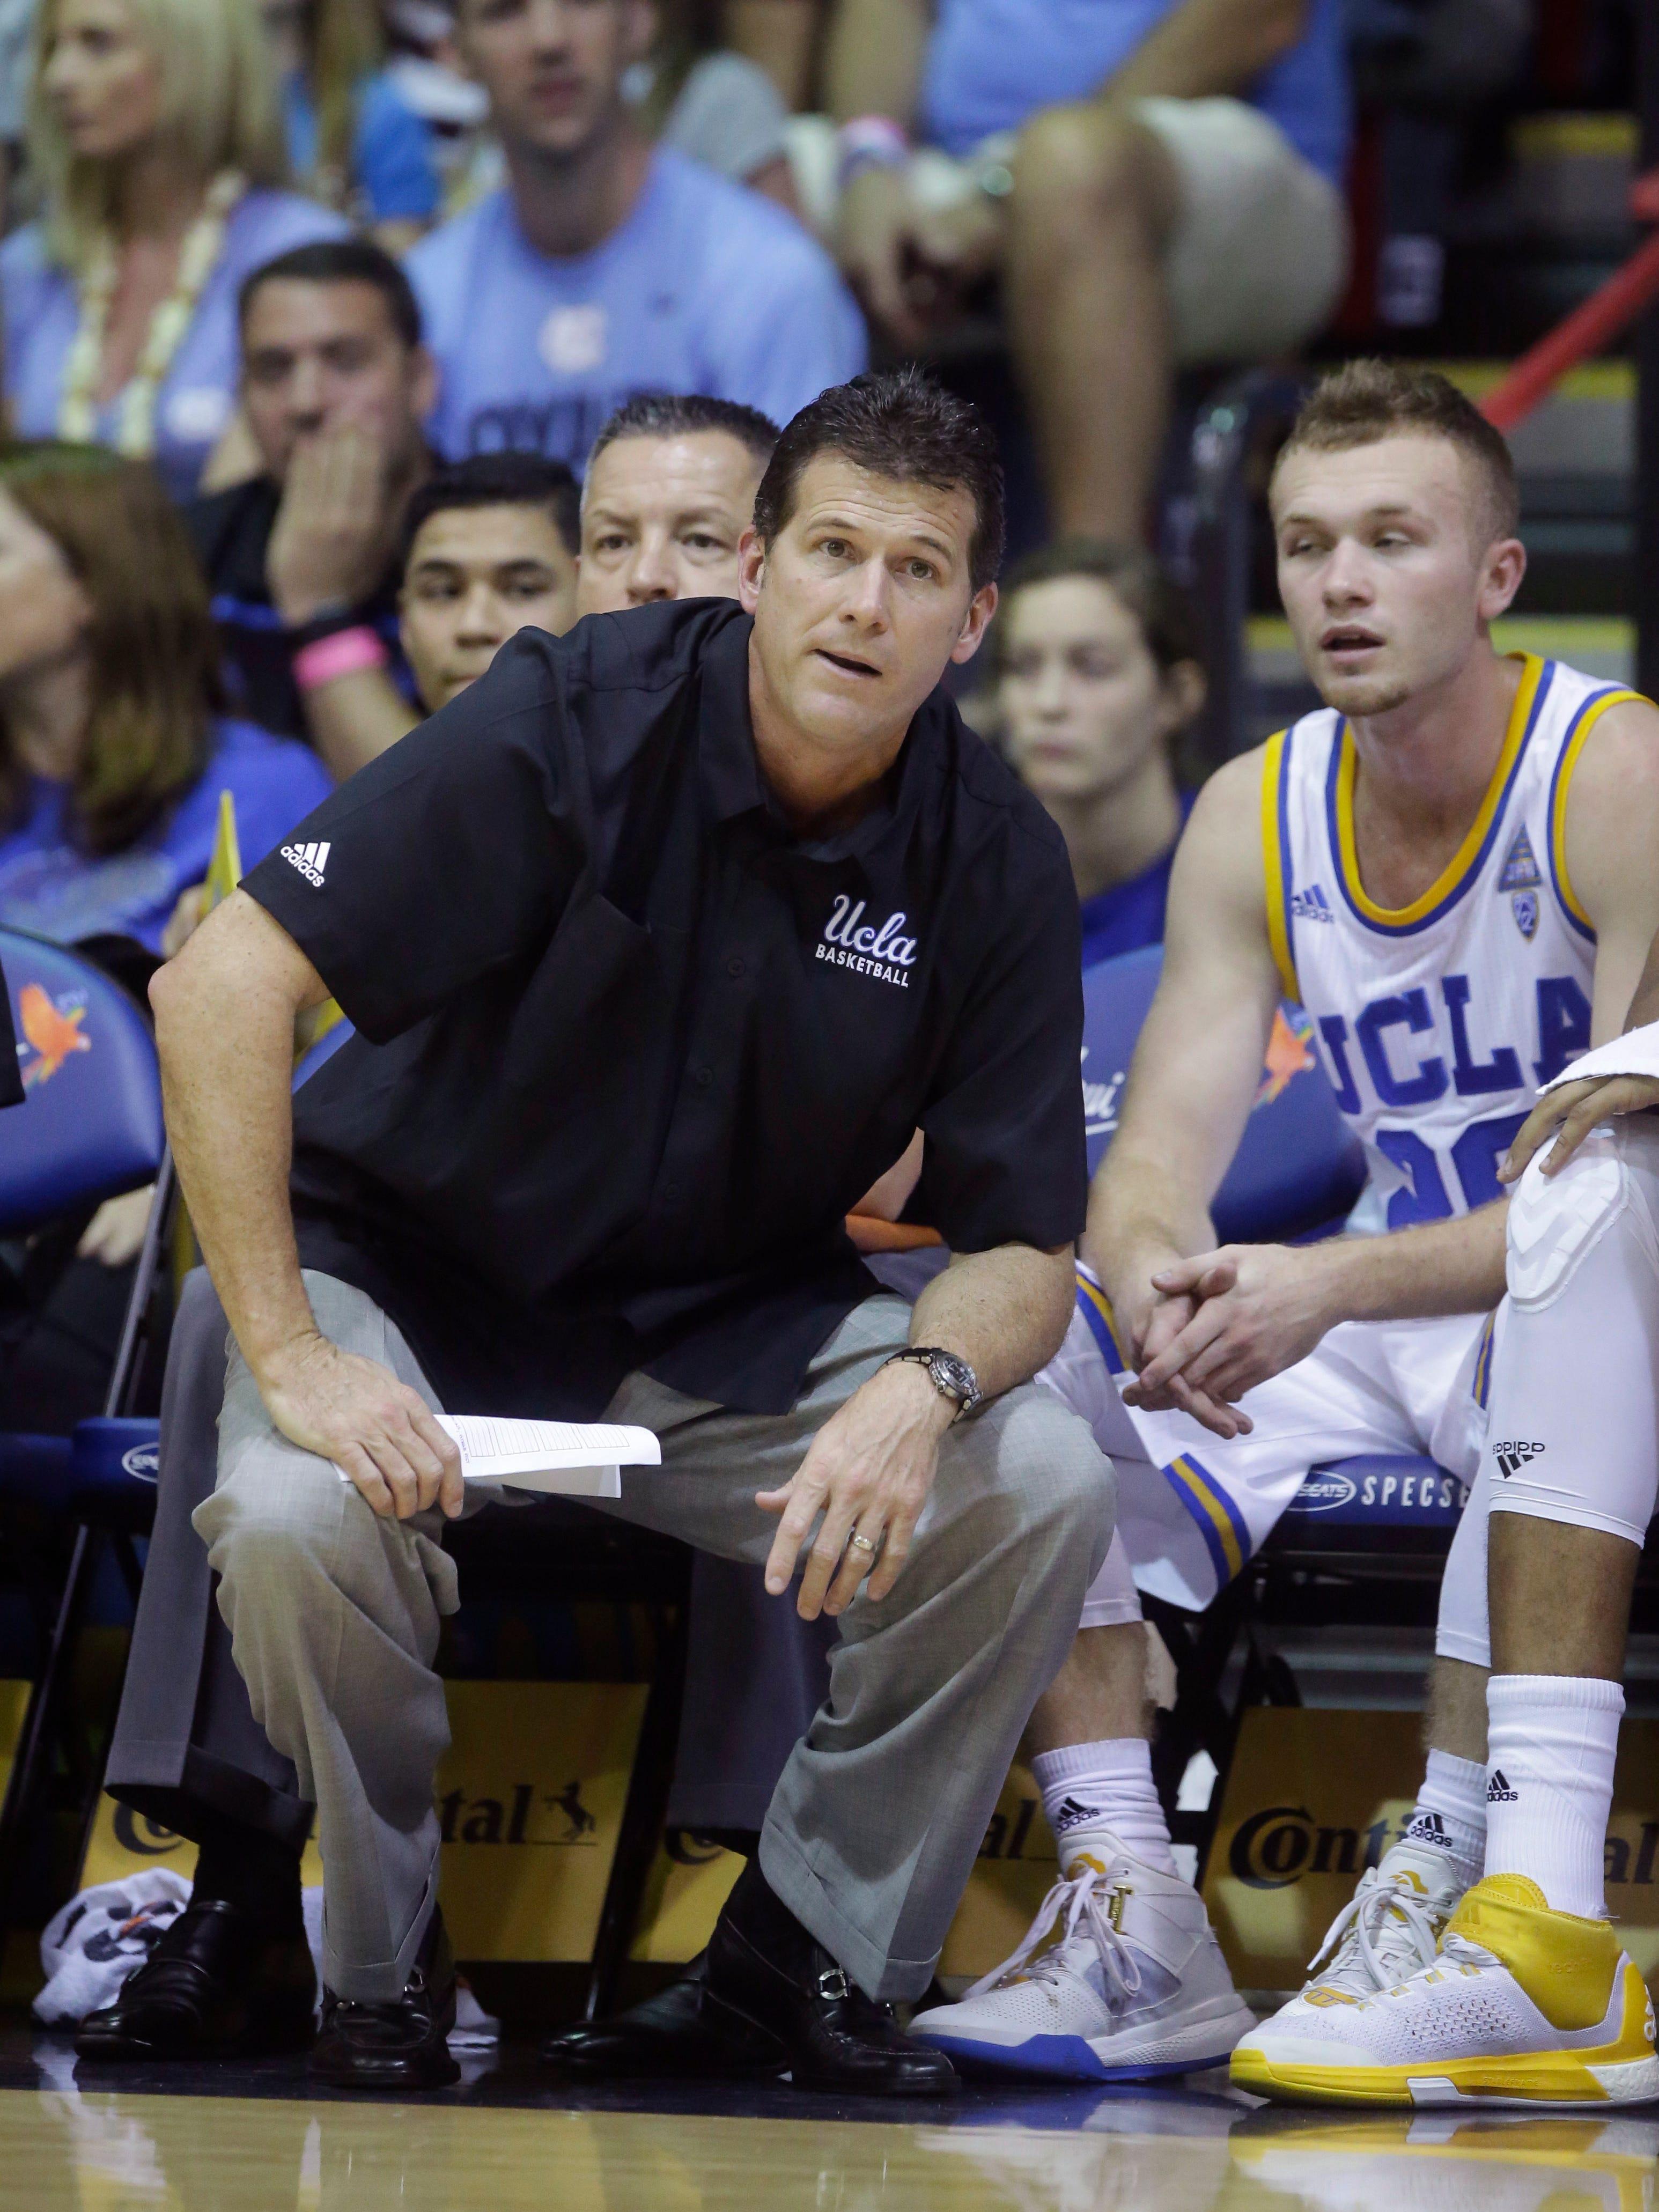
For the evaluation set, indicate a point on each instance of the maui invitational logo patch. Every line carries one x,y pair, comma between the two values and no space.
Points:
1520,879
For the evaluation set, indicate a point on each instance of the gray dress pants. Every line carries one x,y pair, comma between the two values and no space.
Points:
185,1740
874,1824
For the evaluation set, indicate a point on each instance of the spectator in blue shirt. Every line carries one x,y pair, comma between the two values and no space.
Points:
606,267
112,759
1098,675
352,137
112,755
1155,182
156,142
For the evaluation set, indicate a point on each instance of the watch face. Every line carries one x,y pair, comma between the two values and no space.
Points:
953,1375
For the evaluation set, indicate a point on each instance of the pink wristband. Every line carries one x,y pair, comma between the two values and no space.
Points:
342,652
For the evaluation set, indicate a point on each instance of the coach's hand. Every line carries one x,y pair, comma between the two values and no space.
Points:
1261,1307
868,1473
374,1428
1570,1114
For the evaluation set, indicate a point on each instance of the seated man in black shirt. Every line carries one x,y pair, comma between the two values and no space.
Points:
660,941
303,559
490,548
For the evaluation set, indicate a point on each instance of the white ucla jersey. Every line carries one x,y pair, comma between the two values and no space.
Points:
1438,1022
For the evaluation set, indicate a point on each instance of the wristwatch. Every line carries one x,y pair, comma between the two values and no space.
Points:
950,1376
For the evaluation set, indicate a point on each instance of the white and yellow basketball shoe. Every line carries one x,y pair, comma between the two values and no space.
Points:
1524,2006
1392,1924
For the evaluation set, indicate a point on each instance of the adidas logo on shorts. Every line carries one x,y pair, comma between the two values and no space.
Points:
1498,1791
1071,1813
1513,1456
309,859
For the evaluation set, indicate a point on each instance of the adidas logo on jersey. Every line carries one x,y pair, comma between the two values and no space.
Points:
1498,1791
309,859
1071,1813
1513,1456
1311,905
1429,1828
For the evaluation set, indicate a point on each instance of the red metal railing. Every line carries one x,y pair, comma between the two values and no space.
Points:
1609,310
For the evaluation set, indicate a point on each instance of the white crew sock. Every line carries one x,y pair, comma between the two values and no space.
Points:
1551,1742
1089,1787
1450,1813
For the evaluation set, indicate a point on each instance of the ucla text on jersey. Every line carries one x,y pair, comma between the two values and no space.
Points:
1438,1022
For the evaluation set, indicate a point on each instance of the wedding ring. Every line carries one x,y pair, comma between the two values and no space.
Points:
861,1543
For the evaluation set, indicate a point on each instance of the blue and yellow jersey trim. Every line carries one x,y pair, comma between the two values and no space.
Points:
1226,1537
1466,864
1482,1381
1276,857
1095,1308
1580,727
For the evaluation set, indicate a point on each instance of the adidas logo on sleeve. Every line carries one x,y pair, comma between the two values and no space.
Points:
1513,1454
309,859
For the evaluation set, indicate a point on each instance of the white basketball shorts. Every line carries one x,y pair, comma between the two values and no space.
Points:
1194,1508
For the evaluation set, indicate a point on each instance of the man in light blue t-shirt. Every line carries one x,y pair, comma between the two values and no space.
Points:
606,267
1155,182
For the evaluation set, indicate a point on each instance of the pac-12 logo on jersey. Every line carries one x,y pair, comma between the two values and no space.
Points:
1520,879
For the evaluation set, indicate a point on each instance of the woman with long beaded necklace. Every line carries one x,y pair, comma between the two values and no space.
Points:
157,139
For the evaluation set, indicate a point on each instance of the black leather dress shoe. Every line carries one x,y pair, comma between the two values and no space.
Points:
218,1985
769,1976
666,2038
400,2045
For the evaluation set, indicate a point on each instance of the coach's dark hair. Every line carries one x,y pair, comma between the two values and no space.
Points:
1142,582
505,479
683,415
901,426
340,261
1366,400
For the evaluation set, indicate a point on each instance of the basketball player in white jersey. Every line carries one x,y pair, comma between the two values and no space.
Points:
1532,1999
1454,867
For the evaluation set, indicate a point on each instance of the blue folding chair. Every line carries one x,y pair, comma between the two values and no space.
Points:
1299,1168
1385,1521
89,1128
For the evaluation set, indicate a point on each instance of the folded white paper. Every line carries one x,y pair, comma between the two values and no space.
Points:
1636,1052
566,1459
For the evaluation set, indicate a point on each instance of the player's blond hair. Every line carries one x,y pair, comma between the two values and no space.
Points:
1365,401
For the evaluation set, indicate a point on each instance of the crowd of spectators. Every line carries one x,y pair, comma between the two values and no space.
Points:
423,322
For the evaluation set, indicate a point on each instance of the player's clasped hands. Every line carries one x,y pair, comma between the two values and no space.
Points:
375,1429
1225,1322
868,1473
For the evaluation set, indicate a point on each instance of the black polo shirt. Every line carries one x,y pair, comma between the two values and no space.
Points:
231,530
630,1049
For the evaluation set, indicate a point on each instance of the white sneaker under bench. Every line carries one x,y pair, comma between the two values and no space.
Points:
1121,1978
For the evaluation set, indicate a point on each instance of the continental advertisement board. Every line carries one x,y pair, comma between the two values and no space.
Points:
529,1799
530,1794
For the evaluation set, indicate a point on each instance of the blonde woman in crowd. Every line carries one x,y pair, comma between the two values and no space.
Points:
156,133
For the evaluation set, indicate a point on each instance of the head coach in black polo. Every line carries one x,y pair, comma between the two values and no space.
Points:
660,940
